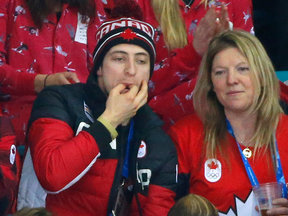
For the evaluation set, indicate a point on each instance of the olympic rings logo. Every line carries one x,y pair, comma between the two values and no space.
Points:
213,175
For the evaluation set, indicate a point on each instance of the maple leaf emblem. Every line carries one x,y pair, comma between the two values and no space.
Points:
128,34
213,165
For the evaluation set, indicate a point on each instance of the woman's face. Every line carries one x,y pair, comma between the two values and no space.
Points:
232,80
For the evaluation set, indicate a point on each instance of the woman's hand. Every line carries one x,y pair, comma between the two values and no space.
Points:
212,23
61,78
282,210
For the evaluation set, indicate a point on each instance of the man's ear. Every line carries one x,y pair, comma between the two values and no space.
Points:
100,71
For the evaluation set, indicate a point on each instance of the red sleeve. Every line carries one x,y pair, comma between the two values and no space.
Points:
185,133
159,201
180,141
12,79
60,157
283,92
242,15
9,167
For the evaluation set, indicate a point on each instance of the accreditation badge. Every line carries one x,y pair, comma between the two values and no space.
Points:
81,31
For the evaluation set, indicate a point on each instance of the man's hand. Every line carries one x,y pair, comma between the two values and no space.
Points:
212,23
62,78
122,105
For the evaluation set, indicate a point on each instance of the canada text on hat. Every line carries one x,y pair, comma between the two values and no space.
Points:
108,26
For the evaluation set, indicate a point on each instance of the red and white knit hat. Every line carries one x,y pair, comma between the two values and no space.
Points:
124,31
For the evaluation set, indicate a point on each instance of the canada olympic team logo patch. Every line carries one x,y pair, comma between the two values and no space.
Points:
12,154
142,150
212,170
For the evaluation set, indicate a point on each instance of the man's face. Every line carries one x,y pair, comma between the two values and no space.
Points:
126,64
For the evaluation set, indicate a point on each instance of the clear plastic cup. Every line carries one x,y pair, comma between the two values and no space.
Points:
265,194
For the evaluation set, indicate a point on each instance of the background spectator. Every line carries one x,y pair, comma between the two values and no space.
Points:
193,205
184,29
43,43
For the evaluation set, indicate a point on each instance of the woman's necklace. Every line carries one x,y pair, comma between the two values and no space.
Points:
246,151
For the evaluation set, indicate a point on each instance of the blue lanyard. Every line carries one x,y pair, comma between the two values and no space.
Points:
252,177
125,171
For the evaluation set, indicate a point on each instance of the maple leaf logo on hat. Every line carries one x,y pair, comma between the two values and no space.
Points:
128,34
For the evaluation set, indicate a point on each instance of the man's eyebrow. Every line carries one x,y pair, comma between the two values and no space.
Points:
142,53
118,51
123,52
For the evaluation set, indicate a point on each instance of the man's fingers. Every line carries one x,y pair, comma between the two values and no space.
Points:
142,95
133,90
144,87
143,101
118,89
142,91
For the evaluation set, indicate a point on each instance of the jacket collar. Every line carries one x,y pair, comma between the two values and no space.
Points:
94,96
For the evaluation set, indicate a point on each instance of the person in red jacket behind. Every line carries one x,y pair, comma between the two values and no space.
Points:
43,43
98,148
9,167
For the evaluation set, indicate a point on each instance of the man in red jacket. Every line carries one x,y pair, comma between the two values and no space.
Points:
98,148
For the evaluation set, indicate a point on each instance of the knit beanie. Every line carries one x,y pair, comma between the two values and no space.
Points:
125,30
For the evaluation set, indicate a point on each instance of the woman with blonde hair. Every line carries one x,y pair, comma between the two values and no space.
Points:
193,205
184,29
240,126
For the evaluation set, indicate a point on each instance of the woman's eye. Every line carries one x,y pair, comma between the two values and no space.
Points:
242,69
219,72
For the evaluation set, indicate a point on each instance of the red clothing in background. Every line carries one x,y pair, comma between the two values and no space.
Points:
26,51
174,75
9,167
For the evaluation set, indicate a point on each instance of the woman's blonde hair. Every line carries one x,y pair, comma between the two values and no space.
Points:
193,205
265,101
168,15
